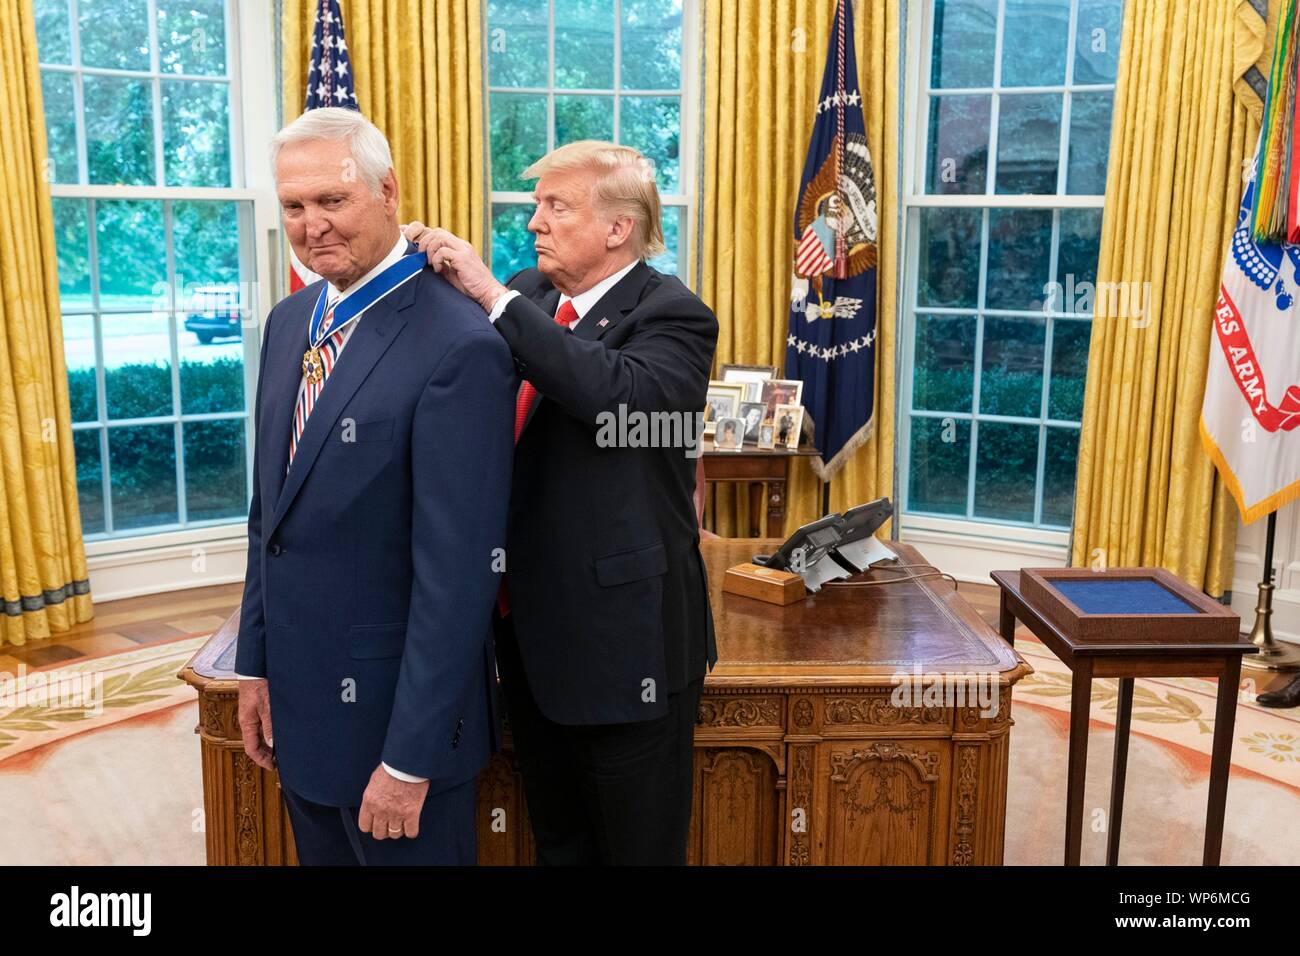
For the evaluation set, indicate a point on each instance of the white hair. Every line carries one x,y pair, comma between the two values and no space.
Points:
369,146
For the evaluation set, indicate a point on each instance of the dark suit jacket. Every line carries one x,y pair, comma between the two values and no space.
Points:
607,588
370,581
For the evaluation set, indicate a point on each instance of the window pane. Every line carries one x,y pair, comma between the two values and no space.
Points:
209,287
196,133
518,137
1029,143
964,42
1011,380
79,355
1070,338
940,462
948,267
1089,144
652,44
90,480
216,476
1020,250
943,379
958,160
1076,259
672,226
53,35
1060,461
142,473
192,37
512,243
653,124
583,117
1035,42
119,131
1006,465
137,365
73,250
516,43
114,34
132,255
584,45
60,127
1096,42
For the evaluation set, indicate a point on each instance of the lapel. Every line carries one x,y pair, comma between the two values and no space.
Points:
610,309
283,375
375,332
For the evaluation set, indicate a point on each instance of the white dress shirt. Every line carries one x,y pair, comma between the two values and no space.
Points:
333,295
582,302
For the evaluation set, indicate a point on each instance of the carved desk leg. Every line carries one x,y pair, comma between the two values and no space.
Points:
776,508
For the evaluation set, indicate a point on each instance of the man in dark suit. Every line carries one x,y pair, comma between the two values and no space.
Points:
603,631
380,478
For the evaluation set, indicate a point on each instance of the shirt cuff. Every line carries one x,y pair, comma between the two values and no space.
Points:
501,305
405,777
246,677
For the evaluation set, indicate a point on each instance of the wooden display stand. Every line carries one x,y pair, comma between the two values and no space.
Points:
801,755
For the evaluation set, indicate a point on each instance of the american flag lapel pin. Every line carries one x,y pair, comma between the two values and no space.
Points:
602,323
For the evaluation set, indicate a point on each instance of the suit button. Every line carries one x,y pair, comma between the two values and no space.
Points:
274,550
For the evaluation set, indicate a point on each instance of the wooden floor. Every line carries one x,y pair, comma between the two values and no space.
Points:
133,622
122,625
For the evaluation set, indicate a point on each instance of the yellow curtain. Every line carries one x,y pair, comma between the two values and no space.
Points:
418,69
1186,117
43,582
763,62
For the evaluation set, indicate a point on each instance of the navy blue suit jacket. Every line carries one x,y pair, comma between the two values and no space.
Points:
370,576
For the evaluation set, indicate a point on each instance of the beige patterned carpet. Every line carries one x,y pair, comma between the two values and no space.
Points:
123,785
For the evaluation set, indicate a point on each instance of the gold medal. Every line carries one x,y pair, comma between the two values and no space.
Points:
312,366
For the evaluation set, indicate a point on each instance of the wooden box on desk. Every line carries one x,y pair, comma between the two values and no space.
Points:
1148,606
764,584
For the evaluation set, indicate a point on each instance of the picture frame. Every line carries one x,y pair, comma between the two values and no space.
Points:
767,436
753,377
781,391
721,401
730,434
788,432
753,414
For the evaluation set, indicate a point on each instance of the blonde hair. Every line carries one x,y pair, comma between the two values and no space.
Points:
625,186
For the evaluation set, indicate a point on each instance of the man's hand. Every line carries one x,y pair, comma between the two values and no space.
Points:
255,722
390,808
457,261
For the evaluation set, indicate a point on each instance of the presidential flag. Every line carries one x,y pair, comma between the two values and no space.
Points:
1251,411
329,83
831,346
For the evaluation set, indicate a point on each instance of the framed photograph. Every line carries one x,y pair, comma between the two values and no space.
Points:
729,435
767,435
722,401
753,377
781,391
754,414
789,423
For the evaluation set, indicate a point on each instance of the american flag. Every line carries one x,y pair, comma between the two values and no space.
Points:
329,78
329,83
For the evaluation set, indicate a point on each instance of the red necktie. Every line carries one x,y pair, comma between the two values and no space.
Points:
565,315
527,394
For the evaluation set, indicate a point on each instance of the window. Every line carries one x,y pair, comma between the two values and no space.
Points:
584,69
154,242
1013,112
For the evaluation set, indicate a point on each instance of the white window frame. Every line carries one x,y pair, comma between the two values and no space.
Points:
256,206
954,535
688,138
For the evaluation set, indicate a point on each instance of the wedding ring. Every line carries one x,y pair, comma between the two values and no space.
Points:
391,830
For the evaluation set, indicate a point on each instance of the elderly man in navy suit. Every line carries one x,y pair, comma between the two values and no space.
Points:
380,483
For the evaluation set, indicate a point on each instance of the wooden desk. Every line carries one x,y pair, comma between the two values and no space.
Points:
757,467
801,756
1127,661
